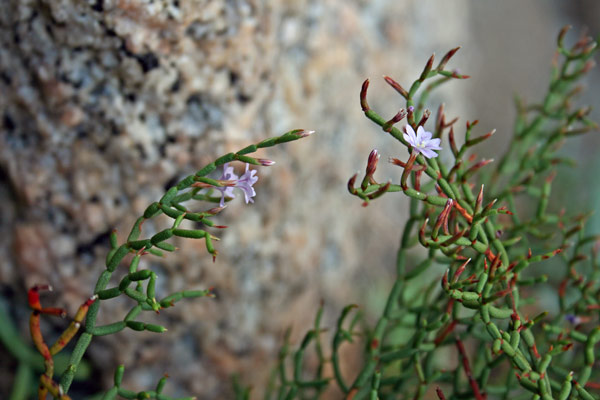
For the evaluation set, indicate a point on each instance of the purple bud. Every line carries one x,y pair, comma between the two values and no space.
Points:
573,319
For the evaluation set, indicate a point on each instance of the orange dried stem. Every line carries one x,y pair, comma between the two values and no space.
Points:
52,387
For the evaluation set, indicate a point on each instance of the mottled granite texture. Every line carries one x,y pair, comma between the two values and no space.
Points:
106,103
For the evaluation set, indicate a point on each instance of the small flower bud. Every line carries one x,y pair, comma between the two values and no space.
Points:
216,210
479,201
427,68
473,142
395,119
407,169
395,161
303,133
266,163
424,118
460,270
372,162
363,96
442,218
562,34
351,183
447,58
488,208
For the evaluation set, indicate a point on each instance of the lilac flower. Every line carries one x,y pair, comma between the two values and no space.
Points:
245,183
422,142
227,191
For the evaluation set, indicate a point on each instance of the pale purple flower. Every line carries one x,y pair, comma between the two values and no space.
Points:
227,191
422,142
244,183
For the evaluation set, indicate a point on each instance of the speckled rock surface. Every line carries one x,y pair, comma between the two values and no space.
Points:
106,103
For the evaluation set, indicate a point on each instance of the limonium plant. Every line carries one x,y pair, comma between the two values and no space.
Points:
462,318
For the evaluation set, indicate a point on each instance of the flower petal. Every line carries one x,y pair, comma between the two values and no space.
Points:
245,183
429,153
425,136
225,192
228,173
412,138
434,144
420,132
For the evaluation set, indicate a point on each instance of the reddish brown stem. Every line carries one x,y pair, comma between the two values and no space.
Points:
439,393
465,362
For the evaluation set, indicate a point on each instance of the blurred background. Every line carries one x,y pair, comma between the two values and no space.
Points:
105,103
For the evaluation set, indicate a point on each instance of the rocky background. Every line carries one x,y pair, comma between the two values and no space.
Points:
105,103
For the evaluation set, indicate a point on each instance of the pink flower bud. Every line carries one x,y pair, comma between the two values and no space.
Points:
372,162
304,133
266,163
